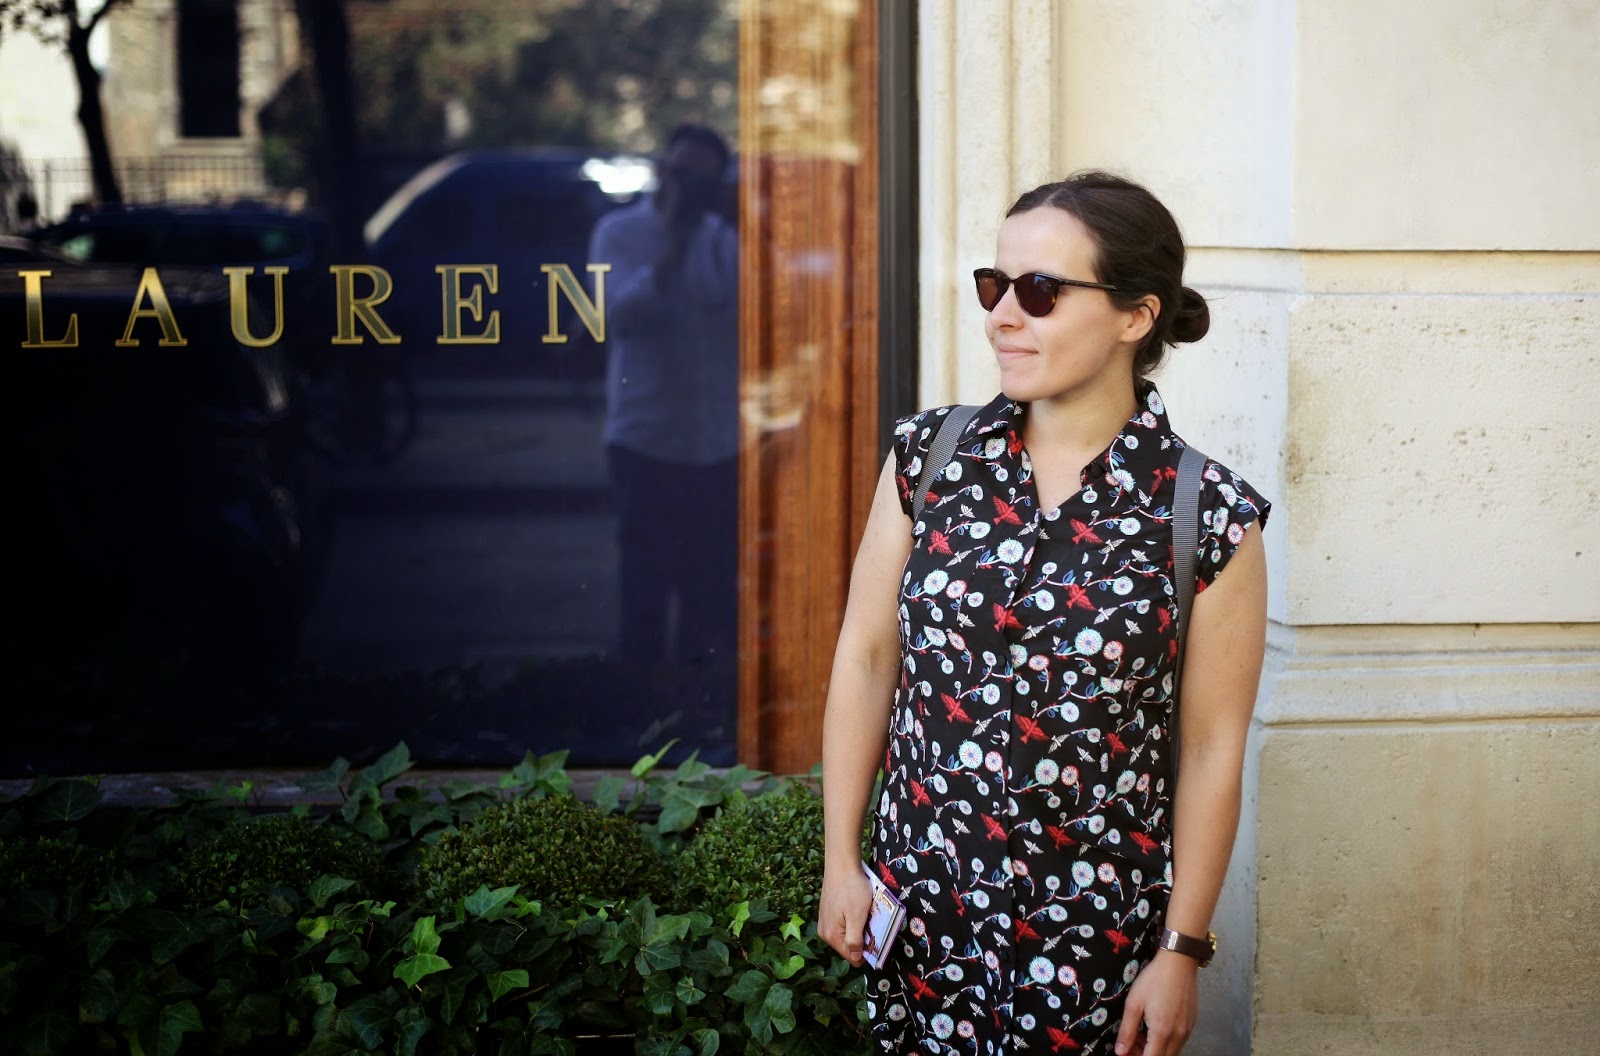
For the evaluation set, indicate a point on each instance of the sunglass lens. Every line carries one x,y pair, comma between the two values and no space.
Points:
989,290
1036,294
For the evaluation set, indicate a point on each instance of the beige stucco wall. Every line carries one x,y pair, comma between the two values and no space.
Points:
1389,204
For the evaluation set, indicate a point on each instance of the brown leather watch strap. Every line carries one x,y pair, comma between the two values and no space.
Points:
1201,950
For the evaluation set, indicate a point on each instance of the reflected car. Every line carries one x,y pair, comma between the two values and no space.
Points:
514,209
214,237
19,250
158,489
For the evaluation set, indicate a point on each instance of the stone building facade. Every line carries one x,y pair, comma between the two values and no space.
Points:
1389,205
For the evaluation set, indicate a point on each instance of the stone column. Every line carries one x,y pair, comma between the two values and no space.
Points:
1390,206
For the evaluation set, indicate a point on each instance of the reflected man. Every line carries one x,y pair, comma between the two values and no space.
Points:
672,429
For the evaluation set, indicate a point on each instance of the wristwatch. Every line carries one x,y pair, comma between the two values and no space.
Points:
1201,950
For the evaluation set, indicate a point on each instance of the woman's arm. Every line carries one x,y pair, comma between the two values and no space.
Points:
855,727
1221,670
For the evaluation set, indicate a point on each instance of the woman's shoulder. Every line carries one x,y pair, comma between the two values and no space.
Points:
1229,505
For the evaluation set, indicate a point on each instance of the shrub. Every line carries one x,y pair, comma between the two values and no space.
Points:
246,860
554,848
44,863
770,847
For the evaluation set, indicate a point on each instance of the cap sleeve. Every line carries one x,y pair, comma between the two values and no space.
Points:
1228,507
913,436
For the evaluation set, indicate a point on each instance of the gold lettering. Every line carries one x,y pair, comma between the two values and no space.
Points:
160,310
593,313
33,309
349,307
454,302
239,305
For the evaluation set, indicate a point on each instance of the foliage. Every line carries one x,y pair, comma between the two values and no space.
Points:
42,863
768,848
244,862
554,849
106,956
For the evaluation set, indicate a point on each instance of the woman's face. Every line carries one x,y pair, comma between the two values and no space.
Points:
1085,342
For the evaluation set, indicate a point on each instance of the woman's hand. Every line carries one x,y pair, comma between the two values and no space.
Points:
846,901
1165,999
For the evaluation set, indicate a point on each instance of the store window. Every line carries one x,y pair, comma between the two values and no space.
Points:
562,435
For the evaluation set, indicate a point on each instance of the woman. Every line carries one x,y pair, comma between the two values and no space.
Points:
1008,660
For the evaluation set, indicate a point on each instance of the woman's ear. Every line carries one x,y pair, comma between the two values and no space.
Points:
1142,319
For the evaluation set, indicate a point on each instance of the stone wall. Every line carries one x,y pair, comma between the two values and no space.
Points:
1388,204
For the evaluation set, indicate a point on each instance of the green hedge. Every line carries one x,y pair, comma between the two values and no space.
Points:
503,919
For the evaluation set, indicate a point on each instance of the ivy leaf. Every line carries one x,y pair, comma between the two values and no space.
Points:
410,970
490,905
368,1018
649,762
688,993
411,1024
67,801
659,950
325,887
787,969
750,988
793,929
174,1022
608,793
47,1032
332,777
99,941
709,1040
424,939
501,983
779,1007
390,765
169,933
741,913
680,807
455,990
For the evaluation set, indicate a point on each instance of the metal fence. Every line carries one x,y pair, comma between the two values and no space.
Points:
57,184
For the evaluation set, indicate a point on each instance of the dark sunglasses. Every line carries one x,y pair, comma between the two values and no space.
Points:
1036,293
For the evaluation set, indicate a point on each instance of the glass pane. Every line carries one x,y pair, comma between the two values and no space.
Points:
480,490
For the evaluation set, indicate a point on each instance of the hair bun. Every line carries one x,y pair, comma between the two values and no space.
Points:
1193,318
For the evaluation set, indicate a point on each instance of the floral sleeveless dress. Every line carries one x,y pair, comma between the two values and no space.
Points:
1025,814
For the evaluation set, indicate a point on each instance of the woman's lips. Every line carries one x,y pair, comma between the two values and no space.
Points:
1010,353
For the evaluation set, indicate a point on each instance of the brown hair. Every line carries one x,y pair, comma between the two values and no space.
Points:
1138,249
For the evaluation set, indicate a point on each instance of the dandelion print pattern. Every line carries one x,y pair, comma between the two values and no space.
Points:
1025,816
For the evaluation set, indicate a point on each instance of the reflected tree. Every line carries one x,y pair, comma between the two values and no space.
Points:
432,75
61,23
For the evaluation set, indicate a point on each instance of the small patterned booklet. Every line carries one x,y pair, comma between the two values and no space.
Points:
884,920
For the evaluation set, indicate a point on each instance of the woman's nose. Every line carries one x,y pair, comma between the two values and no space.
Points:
1007,313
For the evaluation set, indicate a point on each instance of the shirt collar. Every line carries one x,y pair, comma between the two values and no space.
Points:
1142,456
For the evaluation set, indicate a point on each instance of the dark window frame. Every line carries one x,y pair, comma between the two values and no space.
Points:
898,302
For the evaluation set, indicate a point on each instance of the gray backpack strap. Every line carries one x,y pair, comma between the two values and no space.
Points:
1185,544
940,453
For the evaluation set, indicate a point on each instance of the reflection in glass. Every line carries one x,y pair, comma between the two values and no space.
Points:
478,546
